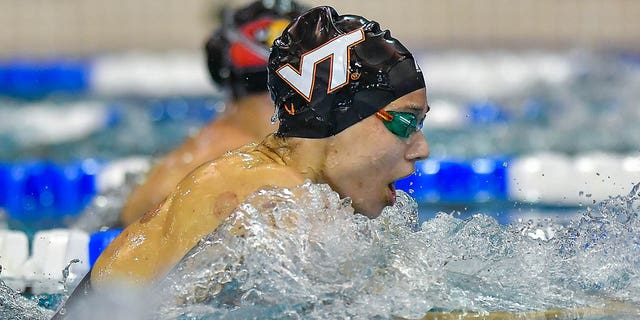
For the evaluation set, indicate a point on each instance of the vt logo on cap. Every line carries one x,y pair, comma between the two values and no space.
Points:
328,72
337,49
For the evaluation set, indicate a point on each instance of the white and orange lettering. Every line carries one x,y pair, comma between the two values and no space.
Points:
337,49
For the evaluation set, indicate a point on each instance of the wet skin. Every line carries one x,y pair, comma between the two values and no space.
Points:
365,162
361,162
245,120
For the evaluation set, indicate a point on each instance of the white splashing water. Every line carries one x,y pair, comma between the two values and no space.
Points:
13,306
302,253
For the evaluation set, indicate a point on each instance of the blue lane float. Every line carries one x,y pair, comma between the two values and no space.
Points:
43,194
458,181
34,79
5,178
195,109
99,241
550,179
487,112
184,73
174,75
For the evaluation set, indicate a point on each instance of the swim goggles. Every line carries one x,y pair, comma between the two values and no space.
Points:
402,124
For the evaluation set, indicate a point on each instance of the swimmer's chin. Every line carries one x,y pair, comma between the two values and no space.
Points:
374,212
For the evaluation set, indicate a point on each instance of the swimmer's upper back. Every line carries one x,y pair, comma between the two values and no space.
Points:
150,247
210,143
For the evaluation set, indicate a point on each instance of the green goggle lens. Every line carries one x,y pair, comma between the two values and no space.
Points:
402,124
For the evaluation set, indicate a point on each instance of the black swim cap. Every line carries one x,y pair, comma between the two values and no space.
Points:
237,53
327,72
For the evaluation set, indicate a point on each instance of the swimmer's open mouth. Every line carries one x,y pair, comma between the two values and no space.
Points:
392,193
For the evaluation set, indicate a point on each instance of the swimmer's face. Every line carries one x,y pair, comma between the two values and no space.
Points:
365,160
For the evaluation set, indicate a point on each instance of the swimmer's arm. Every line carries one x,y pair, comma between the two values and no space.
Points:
210,143
147,249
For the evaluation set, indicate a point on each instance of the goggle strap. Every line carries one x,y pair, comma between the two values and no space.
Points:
384,116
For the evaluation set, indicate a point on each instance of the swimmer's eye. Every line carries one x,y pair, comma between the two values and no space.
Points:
402,124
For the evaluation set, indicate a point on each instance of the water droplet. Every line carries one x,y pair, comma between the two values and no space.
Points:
274,117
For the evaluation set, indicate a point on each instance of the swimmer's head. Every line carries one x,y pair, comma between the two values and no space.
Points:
237,52
327,72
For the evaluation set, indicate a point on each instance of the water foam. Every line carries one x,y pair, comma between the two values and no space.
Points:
303,253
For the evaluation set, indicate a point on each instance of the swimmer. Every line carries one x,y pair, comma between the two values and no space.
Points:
237,61
350,100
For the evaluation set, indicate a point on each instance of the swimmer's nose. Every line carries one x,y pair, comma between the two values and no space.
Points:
418,148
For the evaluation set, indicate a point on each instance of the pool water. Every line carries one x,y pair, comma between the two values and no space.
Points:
118,127
302,253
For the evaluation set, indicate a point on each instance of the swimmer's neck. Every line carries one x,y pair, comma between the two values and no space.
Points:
306,156
252,114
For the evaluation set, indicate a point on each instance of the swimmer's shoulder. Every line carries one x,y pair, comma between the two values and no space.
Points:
203,199
248,167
